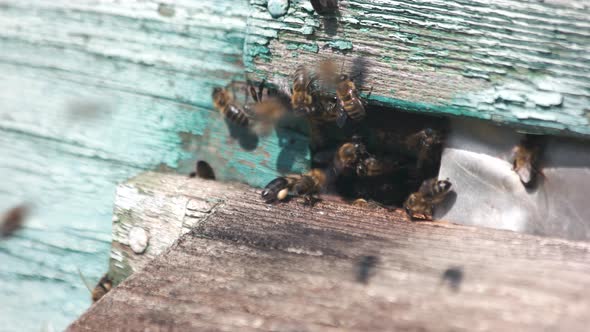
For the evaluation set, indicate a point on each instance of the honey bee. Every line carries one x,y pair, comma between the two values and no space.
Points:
354,156
223,101
307,185
350,154
372,166
267,111
423,143
349,99
525,160
324,7
13,220
278,189
421,203
349,103
104,285
302,97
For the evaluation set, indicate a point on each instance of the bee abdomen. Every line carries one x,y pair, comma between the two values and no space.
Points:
354,109
275,189
236,115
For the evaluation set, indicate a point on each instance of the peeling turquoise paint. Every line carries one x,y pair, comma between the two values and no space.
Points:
341,45
463,62
81,114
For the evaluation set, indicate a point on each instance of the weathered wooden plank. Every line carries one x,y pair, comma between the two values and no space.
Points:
92,93
519,62
257,267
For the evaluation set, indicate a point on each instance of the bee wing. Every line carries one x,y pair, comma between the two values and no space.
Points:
525,173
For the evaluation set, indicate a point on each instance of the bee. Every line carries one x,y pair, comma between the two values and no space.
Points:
324,7
372,166
13,220
104,285
307,185
423,144
525,160
278,189
421,203
354,156
224,102
349,104
349,99
267,111
302,97
349,154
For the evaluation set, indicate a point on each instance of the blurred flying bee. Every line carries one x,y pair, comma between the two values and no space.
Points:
224,102
421,203
267,111
13,220
302,98
525,159
307,185
104,285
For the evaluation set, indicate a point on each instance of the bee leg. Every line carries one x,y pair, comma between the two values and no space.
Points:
253,93
428,213
261,89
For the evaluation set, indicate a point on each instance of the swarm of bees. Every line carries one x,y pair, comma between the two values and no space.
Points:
390,166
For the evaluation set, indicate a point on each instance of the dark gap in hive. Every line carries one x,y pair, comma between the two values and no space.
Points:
383,131
204,171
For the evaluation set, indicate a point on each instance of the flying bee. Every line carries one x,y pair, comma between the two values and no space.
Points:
421,203
13,220
307,185
223,101
104,285
525,160
302,98
268,110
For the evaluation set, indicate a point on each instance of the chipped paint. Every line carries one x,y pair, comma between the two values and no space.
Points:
451,58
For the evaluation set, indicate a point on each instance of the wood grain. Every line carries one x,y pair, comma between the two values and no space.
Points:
256,267
523,63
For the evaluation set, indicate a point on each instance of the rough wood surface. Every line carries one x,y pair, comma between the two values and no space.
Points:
520,62
250,266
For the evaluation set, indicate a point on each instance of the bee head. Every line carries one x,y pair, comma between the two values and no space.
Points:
342,78
216,91
443,186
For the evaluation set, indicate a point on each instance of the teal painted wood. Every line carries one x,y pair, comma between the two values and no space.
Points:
92,93
517,62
